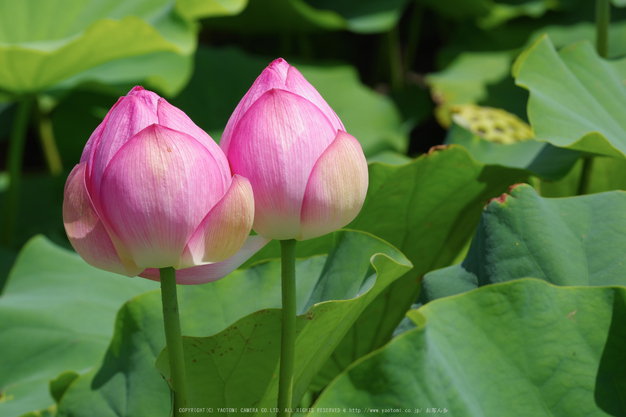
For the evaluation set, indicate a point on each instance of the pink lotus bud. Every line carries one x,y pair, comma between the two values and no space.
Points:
308,175
153,190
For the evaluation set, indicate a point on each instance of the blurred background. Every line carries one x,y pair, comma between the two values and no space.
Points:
395,71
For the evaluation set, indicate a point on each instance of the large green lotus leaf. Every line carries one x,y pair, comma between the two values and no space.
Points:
165,72
483,76
238,367
358,267
43,44
466,79
429,209
280,16
390,158
569,241
567,34
522,348
576,99
285,16
539,158
490,13
502,12
199,9
367,115
228,74
365,16
56,314
607,174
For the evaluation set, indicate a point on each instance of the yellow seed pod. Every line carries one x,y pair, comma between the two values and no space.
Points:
494,125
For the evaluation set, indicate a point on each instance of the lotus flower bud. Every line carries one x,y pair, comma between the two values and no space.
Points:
153,190
308,175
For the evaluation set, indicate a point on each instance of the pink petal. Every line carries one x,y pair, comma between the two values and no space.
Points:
86,232
156,191
297,84
279,74
94,139
272,77
130,116
225,229
148,98
176,119
336,189
212,272
275,146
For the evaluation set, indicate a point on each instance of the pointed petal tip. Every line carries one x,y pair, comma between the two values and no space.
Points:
297,84
278,62
146,97
275,74
284,157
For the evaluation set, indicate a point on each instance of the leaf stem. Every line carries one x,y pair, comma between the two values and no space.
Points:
14,165
585,175
395,59
414,36
603,21
288,337
173,338
48,143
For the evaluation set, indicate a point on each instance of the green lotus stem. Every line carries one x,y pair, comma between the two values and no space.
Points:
288,336
585,175
414,35
603,21
14,165
46,136
173,338
395,60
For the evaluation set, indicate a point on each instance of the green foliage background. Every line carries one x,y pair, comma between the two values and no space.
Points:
456,290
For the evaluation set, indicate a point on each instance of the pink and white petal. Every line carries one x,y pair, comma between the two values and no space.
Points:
336,189
174,118
275,146
148,98
86,231
297,84
92,143
156,191
274,76
225,229
130,116
212,272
